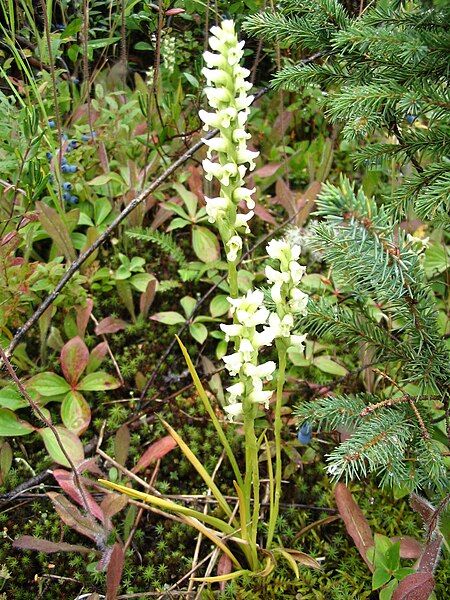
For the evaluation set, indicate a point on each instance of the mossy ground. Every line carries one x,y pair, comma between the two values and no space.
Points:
162,551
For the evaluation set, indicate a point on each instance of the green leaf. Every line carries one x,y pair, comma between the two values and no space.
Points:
11,425
327,365
393,557
205,244
48,384
188,303
177,209
386,593
143,46
403,572
103,42
70,443
380,577
177,223
192,80
11,398
106,178
140,281
189,198
437,260
221,349
75,412
198,332
97,382
169,317
137,263
102,208
245,280
122,273
53,224
219,305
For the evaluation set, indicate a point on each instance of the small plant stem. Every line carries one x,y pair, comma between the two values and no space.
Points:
232,279
277,428
251,476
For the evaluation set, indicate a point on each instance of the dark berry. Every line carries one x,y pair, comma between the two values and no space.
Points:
304,434
49,156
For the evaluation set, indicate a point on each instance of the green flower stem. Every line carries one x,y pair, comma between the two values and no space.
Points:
233,279
277,427
251,475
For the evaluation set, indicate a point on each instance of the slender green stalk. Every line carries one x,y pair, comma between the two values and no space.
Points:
232,279
277,428
251,481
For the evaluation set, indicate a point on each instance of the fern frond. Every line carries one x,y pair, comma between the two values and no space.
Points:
163,240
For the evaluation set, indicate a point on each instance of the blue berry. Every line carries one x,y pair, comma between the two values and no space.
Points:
72,145
73,168
64,137
304,434
75,80
51,124
87,136
67,196
411,118
67,186
66,168
73,200
49,156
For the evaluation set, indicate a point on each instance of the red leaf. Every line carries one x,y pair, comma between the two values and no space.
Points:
73,518
285,197
74,358
122,444
423,507
96,356
154,452
110,325
264,214
417,586
355,522
430,555
83,315
195,183
66,481
103,156
267,170
174,11
112,504
28,542
409,546
147,297
224,566
114,572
